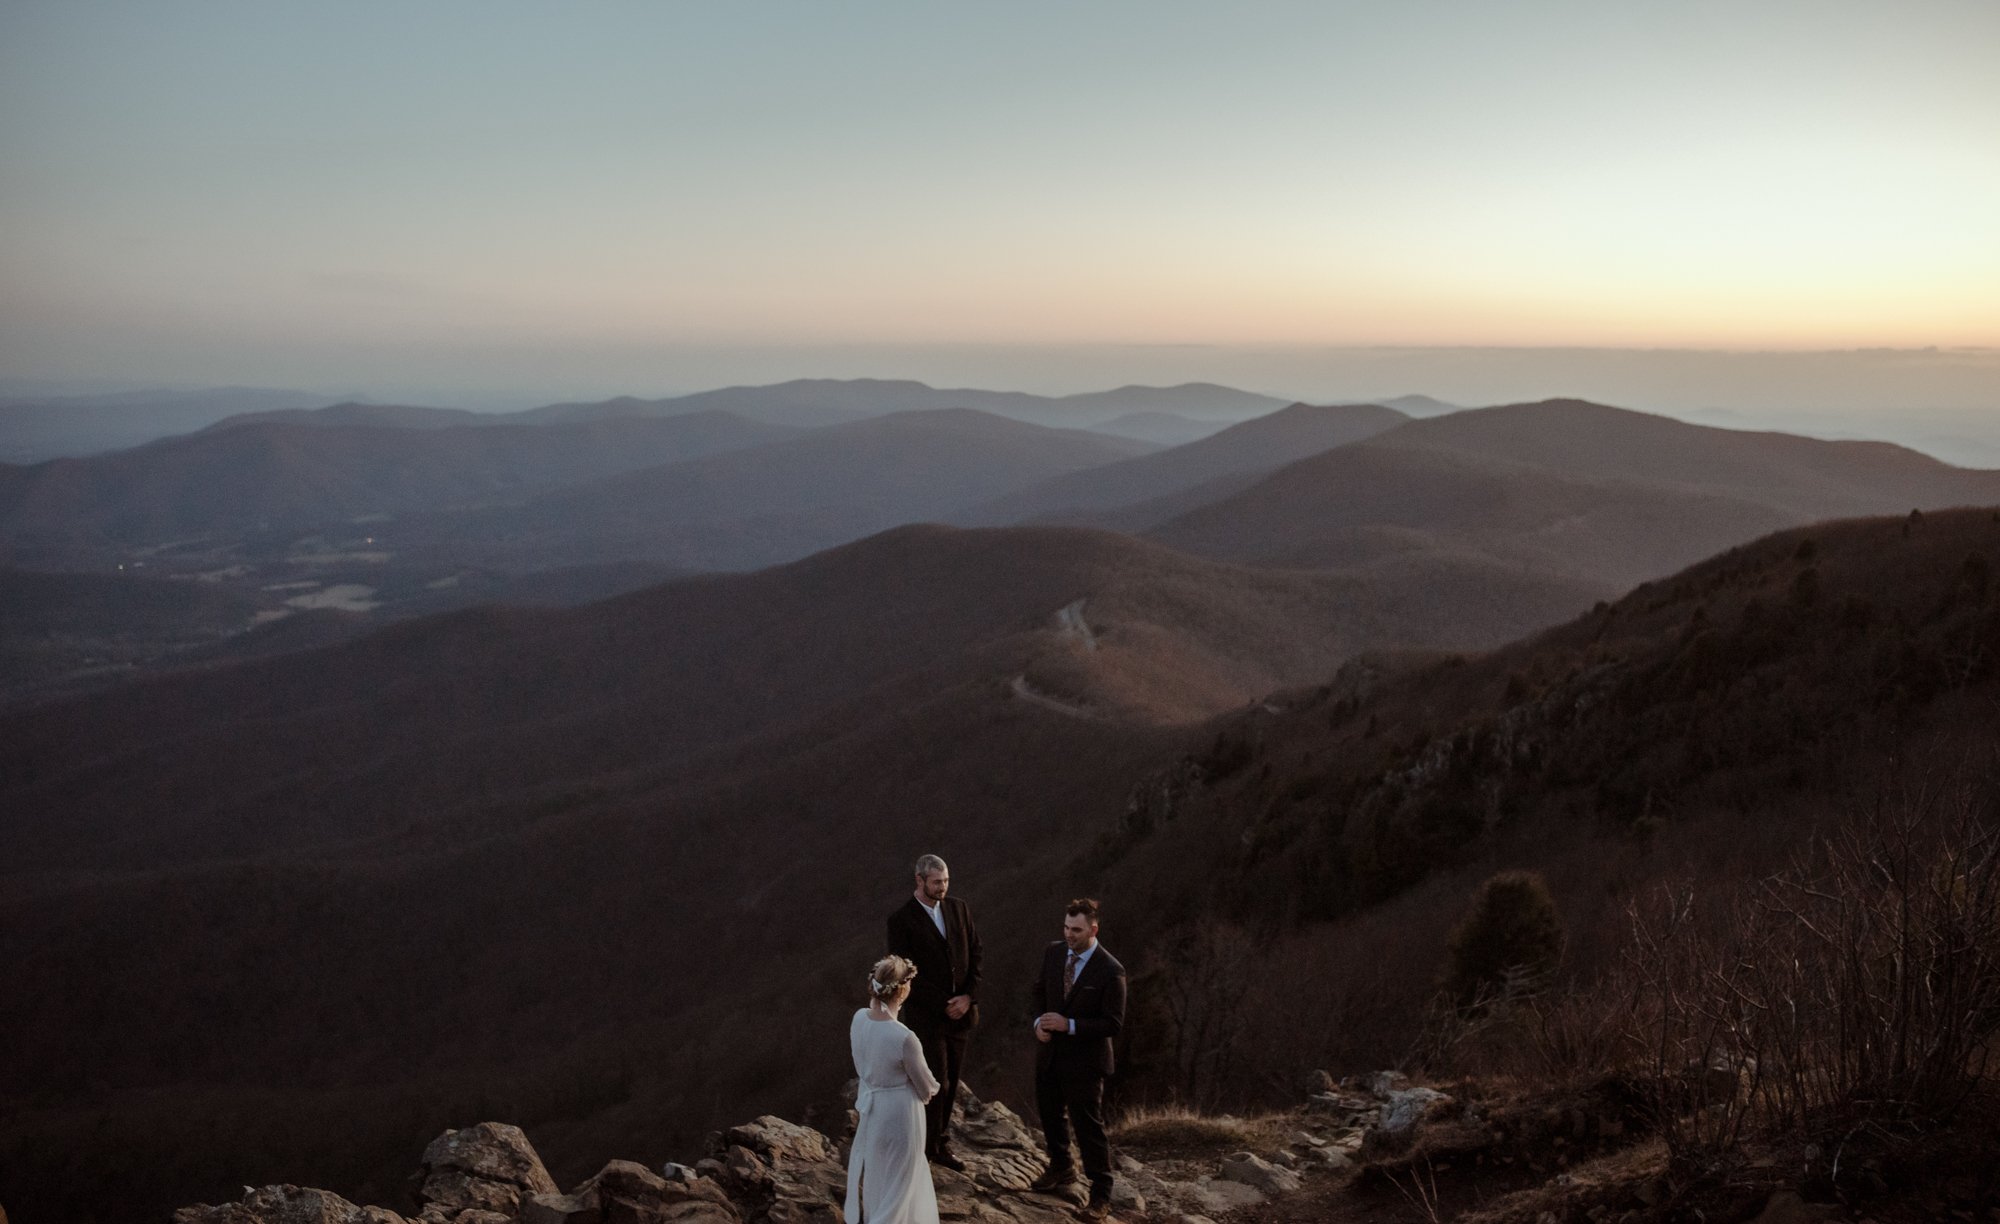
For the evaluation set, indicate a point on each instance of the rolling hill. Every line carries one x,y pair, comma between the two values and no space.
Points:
1602,496
1252,447
774,503
274,477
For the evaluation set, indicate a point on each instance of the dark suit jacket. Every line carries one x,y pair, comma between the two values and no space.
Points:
1096,1003
947,965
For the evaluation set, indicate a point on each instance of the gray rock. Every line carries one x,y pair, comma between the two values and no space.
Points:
1285,1160
1382,1083
1408,1107
1126,1197
1318,1082
1252,1170
1329,1158
1339,1105
1304,1140
1126,1164
1214,1197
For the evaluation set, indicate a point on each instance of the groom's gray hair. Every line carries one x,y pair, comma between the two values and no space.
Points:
929,863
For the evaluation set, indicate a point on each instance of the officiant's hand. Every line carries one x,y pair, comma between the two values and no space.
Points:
1052,1022
958,1006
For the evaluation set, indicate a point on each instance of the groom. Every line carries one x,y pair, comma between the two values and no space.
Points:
935,932
1080,996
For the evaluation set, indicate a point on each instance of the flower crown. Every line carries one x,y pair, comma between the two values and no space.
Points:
883,990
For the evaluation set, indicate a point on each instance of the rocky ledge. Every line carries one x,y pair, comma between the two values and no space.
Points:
771,1171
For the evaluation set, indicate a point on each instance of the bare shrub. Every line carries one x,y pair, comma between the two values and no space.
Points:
1207,971
1858,989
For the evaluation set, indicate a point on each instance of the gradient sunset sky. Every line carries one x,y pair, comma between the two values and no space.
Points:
373,193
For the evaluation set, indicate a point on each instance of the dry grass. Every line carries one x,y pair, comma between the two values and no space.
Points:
1169,1129
1176,1126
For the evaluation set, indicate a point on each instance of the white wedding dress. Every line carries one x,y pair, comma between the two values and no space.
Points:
888,1179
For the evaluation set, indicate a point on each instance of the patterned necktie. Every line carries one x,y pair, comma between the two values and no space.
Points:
1069,975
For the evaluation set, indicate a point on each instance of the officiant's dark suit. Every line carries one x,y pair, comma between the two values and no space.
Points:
1070,1067
947,966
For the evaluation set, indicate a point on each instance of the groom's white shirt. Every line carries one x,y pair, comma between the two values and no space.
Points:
937,914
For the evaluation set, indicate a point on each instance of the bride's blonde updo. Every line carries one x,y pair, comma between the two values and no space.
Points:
889,981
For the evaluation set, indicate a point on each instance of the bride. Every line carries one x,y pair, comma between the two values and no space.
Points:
888,1179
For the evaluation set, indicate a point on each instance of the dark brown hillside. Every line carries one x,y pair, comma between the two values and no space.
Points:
1259,445
258,478
776,503
1364,506
1702,725
1602,496
438,715
303,907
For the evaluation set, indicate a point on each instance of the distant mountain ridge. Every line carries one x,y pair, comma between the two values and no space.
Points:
36,429
822,401
278,475
775,503
1254,446
1602,495
351,412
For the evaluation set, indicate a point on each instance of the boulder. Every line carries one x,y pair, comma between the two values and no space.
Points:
287,1205
624,1192
1318,1082
999,1151
1382,1083
1406,1108
779,1172
1328,1158
1250,1169
1339,1105
562,1209
1215,1196
489,1167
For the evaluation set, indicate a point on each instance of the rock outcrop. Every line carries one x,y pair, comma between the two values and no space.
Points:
626,1192
287,1205
771,1171
484,1170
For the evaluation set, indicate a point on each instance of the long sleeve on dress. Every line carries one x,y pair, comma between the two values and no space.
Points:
921,1080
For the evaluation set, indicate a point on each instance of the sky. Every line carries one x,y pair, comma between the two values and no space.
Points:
493,198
